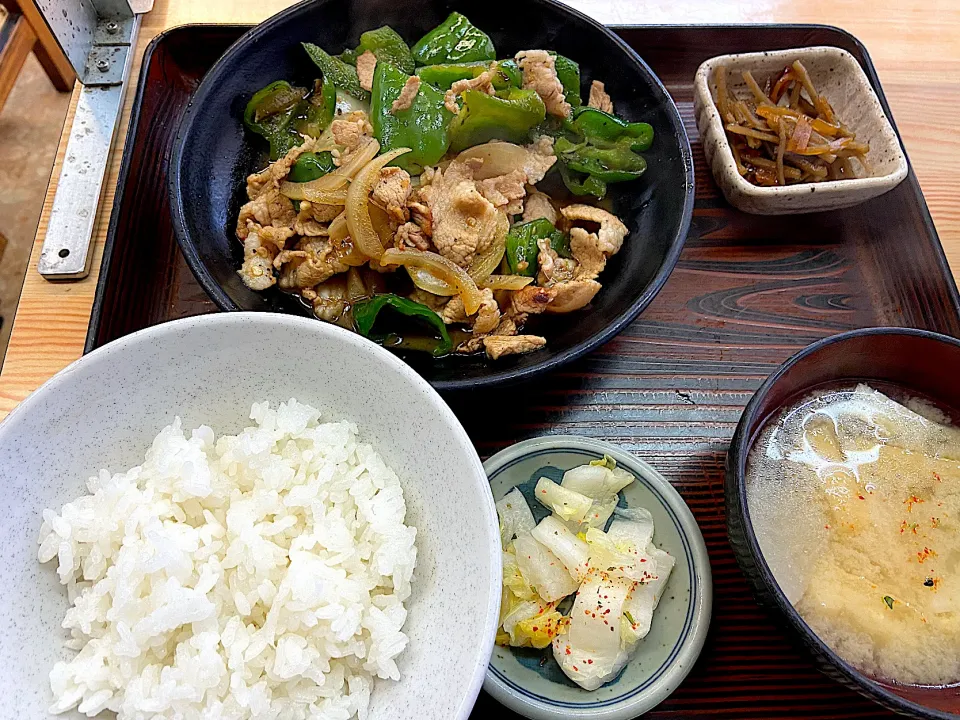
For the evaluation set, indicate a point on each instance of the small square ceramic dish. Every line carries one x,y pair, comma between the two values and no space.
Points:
530,682
838,76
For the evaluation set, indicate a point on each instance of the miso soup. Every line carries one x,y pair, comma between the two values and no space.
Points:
855,500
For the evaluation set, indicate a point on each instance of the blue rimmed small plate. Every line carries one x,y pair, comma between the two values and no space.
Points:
529,681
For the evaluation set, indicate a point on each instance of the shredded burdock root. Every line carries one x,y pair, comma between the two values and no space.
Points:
786,132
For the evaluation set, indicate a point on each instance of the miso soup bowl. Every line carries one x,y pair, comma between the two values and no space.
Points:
921,362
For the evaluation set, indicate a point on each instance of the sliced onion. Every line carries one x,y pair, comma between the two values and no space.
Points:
485,263
441,268
326,141
348,253
499,158
381,224
347,103
356,288
426,280
338,228
359,158
319,190
343,246
321,187
358,202
296,191
506,282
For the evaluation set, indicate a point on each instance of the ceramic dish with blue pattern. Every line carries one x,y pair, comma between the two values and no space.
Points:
530,681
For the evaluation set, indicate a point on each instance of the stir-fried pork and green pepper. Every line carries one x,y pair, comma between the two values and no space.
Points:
426,160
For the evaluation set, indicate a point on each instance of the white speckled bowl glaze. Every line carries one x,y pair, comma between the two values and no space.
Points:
667,654
104,410
838,76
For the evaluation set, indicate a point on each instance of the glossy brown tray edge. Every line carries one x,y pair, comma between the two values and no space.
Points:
120,196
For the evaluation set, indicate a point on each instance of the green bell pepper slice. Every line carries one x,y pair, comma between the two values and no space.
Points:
510,116
568,73
521,245
455,40
582,185
601,128
443,76
270,114
615,163
610,165
315,114
335,70
421,127
506,74
310,166
366,312
274,99
386,44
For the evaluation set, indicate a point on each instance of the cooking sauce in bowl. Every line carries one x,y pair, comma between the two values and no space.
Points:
855,501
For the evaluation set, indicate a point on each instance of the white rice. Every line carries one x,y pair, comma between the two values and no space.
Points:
260,575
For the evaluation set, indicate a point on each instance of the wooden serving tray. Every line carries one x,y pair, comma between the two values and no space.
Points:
747,293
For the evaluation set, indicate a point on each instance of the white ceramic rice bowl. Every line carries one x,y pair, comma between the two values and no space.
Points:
104,410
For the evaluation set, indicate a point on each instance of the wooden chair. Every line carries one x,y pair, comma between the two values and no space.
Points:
24,30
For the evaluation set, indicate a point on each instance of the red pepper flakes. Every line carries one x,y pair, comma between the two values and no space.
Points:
567,651
576,669
911,501
934,522
924,554
589,661
535,628
861,497
937,476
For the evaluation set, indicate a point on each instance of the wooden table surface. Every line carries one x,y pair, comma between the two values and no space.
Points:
915,45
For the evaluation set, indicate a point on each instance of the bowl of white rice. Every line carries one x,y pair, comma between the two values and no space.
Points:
243,516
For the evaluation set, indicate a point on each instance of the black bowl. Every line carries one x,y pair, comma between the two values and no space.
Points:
212,154
921,362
